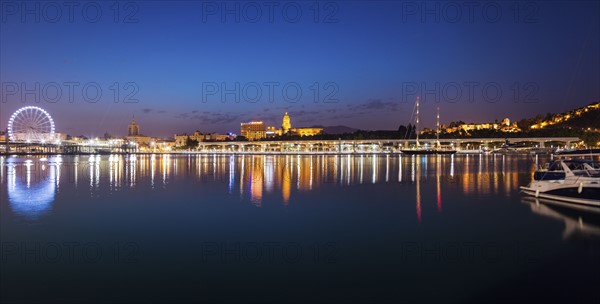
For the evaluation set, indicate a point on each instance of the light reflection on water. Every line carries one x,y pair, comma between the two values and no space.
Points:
31,188
576,218
32,182
385,214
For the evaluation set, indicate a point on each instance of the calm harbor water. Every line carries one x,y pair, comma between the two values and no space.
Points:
268,228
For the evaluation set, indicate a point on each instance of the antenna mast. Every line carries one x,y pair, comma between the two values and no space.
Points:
437,128
417,124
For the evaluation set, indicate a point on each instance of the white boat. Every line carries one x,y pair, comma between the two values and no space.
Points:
483,150
554,169
568,183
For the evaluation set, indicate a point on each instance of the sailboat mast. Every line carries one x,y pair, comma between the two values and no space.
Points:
417,124
437,128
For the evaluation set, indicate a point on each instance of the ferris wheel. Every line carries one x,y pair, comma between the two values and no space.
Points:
31,124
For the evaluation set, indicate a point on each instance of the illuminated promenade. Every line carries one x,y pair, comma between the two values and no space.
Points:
371,146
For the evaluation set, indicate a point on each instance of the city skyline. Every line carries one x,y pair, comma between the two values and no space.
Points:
270,126
363,63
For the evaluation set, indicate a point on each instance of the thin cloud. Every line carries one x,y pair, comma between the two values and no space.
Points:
216,118
374,105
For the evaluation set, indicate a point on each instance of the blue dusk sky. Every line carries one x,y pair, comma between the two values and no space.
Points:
179,66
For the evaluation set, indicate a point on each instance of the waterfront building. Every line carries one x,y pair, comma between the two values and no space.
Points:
272,132
253,130
217,137
286,129
133,129
504,126
181,139
60,136
286,124
307,131
133,135
141,140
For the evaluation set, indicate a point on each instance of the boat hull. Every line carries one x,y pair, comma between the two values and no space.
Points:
589,194
579,152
